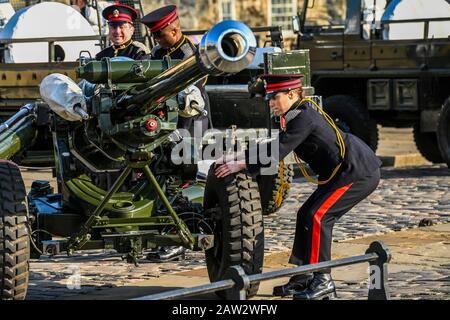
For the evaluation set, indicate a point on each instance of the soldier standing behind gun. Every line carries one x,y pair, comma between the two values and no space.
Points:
121,29
165,28
120,19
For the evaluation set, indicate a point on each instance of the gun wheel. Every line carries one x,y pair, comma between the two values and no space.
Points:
14,234
238,227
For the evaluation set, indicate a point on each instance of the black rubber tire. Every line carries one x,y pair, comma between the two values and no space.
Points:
350,115
426,143
239,231
269,186
14,234
443,132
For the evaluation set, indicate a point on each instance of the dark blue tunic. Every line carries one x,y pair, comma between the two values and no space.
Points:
314,141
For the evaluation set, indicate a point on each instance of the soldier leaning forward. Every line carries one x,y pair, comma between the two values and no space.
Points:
121,29
348,172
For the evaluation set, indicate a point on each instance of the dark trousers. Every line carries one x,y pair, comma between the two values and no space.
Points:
317,216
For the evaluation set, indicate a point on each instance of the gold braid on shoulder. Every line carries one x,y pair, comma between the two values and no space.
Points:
339,138
172,50
121,47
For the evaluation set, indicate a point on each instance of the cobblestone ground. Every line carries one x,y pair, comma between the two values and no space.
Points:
403,198
411,285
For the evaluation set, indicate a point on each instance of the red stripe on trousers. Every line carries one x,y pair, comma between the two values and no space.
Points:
315,246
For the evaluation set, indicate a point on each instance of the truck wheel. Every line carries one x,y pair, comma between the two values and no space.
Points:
238,227
275,189
351,116
443,132
14,241
426,143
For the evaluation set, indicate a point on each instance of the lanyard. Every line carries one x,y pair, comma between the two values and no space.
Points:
121,47
338,137
172,50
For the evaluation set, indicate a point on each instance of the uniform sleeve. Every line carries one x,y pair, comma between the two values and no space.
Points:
140,51
154,55
140,54
100,55
145,57
261,155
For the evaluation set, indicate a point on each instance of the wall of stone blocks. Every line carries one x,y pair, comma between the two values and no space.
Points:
202,14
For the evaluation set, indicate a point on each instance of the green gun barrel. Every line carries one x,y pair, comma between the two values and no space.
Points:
18,132
123,71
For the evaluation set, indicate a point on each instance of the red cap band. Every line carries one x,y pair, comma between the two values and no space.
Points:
280,86
120,17
171,17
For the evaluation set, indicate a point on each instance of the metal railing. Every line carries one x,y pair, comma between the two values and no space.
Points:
51,42
426,23
377,25
236,282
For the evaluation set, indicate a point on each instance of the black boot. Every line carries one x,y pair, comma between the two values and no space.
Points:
166,254
295,284
321,287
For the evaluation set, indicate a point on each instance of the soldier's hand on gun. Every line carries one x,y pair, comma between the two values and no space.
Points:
225,166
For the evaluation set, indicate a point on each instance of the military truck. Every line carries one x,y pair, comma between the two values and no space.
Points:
366,79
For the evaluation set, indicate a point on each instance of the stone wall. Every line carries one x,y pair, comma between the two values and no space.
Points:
254,13
202,14
325,12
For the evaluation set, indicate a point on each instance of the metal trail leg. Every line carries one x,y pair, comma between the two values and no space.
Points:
184,232
78,240
378,278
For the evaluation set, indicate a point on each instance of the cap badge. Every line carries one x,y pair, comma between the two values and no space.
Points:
116,13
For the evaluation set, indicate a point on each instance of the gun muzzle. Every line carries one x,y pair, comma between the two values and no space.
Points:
228,47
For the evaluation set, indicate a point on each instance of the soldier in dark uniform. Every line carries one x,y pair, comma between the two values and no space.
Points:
121,29
348,171
165,28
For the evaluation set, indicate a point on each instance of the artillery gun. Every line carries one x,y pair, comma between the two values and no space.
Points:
230,105
114,173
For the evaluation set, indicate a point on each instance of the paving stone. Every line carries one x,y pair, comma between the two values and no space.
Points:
403,198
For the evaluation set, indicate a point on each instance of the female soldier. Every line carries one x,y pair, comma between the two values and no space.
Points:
348,171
